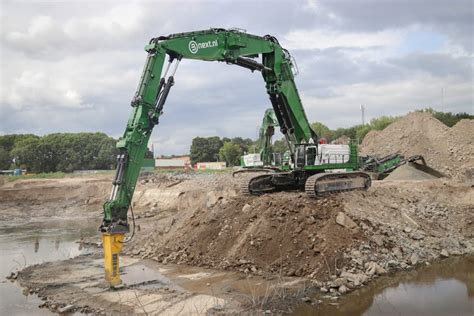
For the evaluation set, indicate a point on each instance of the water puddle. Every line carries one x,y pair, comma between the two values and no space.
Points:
445,288
34,242
198,280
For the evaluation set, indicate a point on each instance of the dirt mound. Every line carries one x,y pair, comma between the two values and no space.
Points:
450,150
408,172
357,234
279,234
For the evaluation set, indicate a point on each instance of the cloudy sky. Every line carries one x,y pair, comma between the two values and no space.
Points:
74,65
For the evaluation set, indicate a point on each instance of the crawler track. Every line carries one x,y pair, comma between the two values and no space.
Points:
257,184
323,184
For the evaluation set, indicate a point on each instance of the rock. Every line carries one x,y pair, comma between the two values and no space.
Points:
306,299
343,220
444,253
356,254
12,276
357,279
323,289
407,230
414,259
212,198
417,235
393,264
338,282
378,239
247,208
397,253
343,289
66,309
374,268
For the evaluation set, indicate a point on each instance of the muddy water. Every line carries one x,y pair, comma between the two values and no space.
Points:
445,288
27,243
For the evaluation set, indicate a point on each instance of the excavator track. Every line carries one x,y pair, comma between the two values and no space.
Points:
323,184
256,184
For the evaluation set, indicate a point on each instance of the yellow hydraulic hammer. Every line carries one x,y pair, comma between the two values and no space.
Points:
112,244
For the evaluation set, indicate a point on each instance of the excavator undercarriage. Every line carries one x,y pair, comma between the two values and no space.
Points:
316,185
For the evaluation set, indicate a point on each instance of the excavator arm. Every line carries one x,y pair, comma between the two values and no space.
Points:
265,136
229,46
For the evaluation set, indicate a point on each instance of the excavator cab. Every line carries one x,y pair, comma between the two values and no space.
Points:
305,155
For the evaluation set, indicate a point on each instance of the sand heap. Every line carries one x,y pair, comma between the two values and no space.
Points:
449,150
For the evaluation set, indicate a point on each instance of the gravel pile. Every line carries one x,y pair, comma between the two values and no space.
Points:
449,150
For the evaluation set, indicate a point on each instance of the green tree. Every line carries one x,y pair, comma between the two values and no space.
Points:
280,146
5,159
205,149
322,130
244,144
448,118
30,153
7,143
230,153
65,152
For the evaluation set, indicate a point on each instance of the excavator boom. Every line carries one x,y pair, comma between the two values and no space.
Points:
256,53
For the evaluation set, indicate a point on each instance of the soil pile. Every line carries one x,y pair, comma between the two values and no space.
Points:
357,235
278,234
449,150
408,172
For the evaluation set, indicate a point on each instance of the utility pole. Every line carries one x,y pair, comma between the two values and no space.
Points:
442,99
362,109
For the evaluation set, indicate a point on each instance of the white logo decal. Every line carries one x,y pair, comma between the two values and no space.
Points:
195,47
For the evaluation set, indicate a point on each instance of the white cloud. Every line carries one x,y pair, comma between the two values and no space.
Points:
322,39
74,66
38,90
390,98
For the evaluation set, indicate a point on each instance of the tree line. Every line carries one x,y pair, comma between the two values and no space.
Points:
88,151
210,149
64,152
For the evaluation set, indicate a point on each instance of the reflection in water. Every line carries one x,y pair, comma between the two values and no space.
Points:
445,288
37,244
58,242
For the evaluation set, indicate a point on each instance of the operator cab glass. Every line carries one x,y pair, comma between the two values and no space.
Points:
311,155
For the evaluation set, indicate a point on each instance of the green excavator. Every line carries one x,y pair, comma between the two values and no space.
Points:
318,169
265,158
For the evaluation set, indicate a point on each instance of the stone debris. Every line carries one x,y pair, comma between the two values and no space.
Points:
343,220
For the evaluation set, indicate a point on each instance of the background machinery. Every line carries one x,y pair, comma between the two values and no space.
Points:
310,160
265,157
382,167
